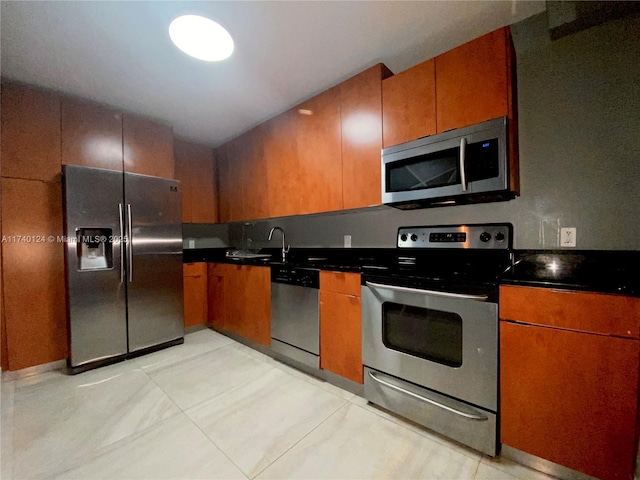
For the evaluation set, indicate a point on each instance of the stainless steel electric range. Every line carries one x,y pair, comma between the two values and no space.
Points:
430,329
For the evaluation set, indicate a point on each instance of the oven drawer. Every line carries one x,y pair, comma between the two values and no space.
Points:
467,424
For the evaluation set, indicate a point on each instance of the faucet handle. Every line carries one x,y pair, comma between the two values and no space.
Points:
286,250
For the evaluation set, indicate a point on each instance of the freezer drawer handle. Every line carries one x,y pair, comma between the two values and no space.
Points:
470,416
480,298
130,243
121,212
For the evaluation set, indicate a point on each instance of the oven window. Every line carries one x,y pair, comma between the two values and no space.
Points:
423,332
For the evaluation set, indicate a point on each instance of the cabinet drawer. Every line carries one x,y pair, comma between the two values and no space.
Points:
584,311
340,282
218,269
194,269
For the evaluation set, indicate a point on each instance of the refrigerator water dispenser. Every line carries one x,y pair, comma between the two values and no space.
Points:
94,248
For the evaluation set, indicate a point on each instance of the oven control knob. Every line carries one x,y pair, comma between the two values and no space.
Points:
500,237
414,237
485,237
403,237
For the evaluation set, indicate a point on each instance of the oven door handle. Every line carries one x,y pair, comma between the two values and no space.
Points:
466,296
470,416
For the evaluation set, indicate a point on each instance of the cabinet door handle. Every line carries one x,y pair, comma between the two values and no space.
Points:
463,173
470,416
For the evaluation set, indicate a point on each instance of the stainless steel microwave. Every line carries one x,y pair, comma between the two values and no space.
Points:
459,166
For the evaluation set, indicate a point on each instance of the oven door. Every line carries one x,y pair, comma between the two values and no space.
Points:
447,342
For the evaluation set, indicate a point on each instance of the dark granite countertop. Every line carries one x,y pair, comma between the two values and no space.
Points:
598,271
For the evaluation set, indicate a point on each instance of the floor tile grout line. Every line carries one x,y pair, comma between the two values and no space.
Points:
345,404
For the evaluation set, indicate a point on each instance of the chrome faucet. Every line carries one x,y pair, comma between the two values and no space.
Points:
285,250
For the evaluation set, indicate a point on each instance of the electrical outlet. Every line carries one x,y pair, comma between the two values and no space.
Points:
347,241
568,237
192,243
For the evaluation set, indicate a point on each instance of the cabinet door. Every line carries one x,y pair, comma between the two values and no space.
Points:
361,121
570,397
215,297
33,271
194,167
585,311
224,184
281,158
233,190
148,147
319,153
341,335
91,135
473,81
256,298
409,104
195,293
30,133
255,196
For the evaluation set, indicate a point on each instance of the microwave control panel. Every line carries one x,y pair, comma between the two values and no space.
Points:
486,236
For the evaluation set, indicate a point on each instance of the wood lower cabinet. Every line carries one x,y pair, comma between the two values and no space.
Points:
474,81
147,147
409,104
570,396
340,325
245,294
195,293
195,168
361,121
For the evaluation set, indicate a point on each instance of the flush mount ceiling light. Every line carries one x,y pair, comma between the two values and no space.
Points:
201,37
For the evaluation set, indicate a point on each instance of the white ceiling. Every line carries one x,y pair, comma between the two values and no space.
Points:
119,53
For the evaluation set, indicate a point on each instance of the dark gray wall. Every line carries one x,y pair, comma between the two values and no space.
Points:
579,119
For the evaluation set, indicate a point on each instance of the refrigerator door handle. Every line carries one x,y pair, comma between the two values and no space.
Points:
121,215
130,244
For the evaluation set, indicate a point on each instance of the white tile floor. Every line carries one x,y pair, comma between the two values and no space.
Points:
213,408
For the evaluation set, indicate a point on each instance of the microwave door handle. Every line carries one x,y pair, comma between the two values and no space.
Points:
465,296
463,173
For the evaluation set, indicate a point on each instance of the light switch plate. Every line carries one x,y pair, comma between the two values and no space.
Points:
568,237
347,241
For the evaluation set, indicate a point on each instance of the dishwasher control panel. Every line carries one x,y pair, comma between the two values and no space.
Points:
289,275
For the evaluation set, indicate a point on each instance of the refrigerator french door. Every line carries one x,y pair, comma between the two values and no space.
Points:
124,264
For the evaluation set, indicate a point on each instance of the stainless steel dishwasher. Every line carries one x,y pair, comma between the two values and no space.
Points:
295,318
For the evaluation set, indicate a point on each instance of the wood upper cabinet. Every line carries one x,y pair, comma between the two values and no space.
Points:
319,151
255,197
473,81
195,293
195,168
30,133
34,298
281,161
91,135
148,147
361,121
570,396
224,183
409,104
341,325
231,180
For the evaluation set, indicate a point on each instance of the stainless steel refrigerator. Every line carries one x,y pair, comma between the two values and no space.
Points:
124,264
